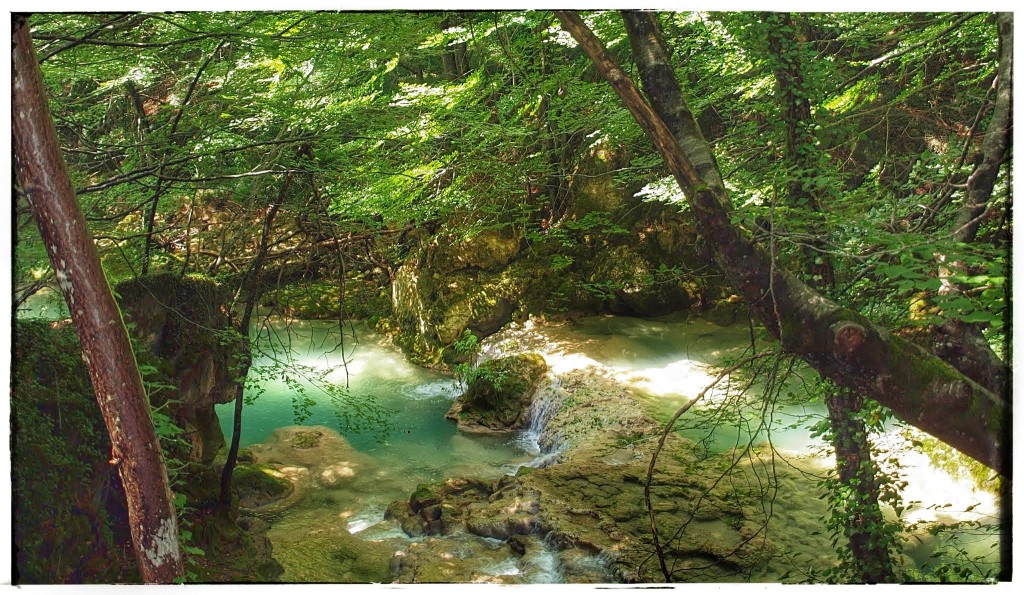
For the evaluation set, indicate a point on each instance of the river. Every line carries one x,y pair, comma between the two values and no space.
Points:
665,361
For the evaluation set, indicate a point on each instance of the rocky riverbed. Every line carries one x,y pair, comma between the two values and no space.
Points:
576,513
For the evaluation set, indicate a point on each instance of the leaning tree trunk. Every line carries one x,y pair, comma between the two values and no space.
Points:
958,342
106,348
839,343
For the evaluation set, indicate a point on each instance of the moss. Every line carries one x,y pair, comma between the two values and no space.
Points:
305,440
184,325
182,302
499,392
333,556
256,485
68,523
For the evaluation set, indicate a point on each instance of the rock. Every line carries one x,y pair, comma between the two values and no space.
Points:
364,299
434,508
316,460
72,524
593,183
633,285
498,394
453,284
456,559
184,321
727,313
488,249
258,485
332,556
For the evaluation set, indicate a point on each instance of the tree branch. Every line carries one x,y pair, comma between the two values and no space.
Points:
839,343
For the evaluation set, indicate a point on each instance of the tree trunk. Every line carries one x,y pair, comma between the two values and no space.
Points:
839,343
958,342
858,475
249,283
858,480
106,348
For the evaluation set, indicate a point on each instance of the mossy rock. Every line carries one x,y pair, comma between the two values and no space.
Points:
498,394
70,522
306,440
184,323
334,557
230,553
631,284
256,485
488,249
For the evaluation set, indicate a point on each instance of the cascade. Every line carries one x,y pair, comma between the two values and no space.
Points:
532,439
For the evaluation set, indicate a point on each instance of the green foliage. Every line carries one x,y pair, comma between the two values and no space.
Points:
955,559
60,453
478,119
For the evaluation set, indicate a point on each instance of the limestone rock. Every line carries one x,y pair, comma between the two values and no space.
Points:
184,321
499,393
488,249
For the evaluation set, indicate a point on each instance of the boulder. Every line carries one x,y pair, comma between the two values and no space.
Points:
185,323
487,249
593,182
498,394
449,285
633,285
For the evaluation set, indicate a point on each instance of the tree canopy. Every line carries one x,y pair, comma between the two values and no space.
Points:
848,175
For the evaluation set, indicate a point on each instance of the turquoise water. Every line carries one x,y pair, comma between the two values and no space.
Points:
670,360
46,304
384,406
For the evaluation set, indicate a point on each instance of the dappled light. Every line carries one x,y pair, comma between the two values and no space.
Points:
511,297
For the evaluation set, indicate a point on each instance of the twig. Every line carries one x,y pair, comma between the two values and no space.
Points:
661,443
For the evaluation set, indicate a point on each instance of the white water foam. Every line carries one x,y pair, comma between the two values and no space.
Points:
445,388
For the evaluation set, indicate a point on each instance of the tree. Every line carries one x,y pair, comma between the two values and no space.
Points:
858,509
839,343
106,348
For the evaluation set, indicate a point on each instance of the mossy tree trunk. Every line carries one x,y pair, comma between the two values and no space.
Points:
858,482
839,343
857,490
106,349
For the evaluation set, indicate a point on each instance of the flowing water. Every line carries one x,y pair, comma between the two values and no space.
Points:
391,410
666,362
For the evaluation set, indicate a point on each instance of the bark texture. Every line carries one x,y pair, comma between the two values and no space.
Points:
106,348
858,476
841,344
961,343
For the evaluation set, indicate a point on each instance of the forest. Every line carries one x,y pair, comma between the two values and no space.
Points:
511,297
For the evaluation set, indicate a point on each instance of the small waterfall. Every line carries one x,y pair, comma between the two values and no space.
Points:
542,566
544,407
